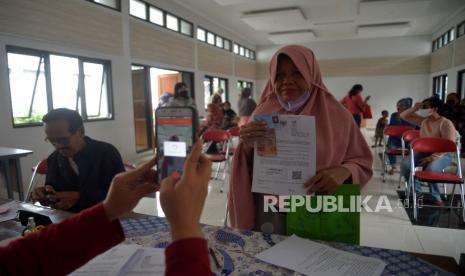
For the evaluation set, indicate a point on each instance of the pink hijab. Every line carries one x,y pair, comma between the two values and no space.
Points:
339,141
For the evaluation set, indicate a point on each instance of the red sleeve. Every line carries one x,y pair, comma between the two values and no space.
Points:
187,257
61,248
359,102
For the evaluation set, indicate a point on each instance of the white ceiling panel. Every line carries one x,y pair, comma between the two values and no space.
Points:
292,38
276,20
383,30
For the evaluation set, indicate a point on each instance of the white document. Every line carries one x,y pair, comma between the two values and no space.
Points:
312,258
295,162
125,260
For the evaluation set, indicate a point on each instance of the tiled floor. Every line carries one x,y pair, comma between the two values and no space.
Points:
384,229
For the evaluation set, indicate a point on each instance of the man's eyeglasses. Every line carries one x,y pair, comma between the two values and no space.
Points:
59,141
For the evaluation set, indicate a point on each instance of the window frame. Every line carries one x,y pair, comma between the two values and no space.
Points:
440,86
226,90
215,36
461,25
118,9
48,82
460,84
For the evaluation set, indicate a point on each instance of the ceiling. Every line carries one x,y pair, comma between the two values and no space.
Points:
268,22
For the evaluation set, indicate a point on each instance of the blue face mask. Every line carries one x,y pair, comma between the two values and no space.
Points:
295,105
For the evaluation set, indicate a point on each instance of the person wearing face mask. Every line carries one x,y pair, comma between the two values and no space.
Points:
296,87
429,116
395,120
181,96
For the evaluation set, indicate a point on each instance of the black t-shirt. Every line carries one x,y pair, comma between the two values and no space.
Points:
97,163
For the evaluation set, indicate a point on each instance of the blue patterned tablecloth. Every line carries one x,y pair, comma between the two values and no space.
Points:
238,248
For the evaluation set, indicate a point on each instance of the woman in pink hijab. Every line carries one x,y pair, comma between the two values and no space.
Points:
296,87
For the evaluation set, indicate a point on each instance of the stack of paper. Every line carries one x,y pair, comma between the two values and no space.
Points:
312,258
126,260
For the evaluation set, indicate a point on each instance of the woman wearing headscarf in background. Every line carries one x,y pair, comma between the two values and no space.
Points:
395,120
296,87
181,96
354,102
246,106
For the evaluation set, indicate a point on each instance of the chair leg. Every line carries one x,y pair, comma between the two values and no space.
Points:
217,171
225,224
452,196
462,196
445,190
414,201
384,167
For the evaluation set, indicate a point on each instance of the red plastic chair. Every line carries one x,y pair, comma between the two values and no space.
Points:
221,137
437,145
40,169
392,131
407,138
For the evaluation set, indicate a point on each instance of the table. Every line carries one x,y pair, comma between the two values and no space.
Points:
238,248
12,154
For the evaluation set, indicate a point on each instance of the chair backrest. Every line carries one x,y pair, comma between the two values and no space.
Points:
234,132
215,135
129,167
434,145
411,135
41,167
396,131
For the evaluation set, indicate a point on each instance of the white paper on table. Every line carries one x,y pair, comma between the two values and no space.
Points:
312,258
146,261
295,163
13,207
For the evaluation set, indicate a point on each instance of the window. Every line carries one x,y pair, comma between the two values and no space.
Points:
172,22
219,42
227,45
452,34
440,86
444,39
460,29
156,16
211,85
114,4
252,55
211,38
243,84
186,28
236,49
41,81
201,34
461,84
241,51
138,9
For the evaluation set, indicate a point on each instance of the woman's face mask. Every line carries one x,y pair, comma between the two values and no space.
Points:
184,94
294,106
426,112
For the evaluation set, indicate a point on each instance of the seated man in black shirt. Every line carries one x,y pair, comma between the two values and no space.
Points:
80,169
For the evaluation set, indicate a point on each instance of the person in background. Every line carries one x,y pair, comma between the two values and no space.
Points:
395,120
164,99
230,116
61,248
380,126
181,96
217,97
428,115
455,112
80,169
295,87
354,102
245,106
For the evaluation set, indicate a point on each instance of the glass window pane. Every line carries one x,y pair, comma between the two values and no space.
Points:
186,28
252,54
201,34
211,38
236,48
64,72
247,54
223,86
241,51
172,22
452,34
219,42
227,45
446,38
109,3
96,90
156,16
23,77
206,91
138,9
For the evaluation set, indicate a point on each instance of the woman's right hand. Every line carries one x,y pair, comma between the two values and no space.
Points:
252,132
418,106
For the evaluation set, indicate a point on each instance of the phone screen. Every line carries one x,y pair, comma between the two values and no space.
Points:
175,137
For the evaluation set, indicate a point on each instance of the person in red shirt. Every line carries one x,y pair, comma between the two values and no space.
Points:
61,248
354,102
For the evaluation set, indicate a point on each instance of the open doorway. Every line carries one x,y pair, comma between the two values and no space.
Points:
148,84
